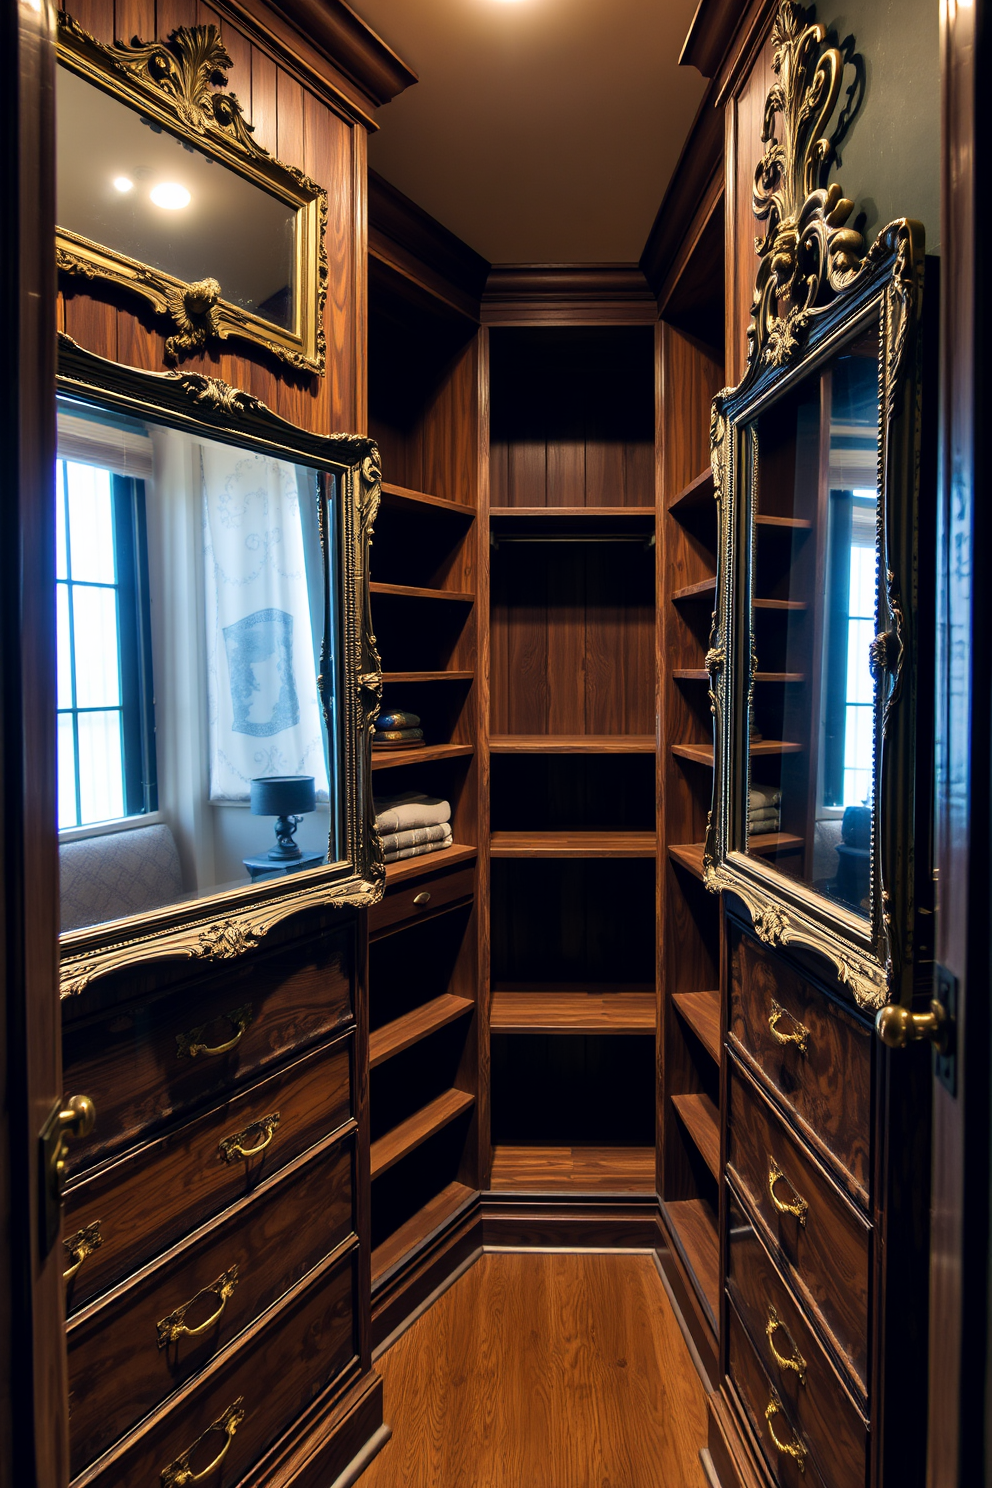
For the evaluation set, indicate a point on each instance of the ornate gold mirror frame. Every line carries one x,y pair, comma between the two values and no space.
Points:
174,83
817,286
228,923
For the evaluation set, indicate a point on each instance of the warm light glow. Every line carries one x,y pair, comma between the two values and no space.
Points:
170,196
123,184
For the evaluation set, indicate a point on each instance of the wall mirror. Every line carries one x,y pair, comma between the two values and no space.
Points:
163,191
813,651
216,672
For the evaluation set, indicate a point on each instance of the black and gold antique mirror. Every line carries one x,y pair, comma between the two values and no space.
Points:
163,192
217,673
813,654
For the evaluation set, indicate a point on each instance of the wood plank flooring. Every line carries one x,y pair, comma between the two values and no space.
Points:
544,1371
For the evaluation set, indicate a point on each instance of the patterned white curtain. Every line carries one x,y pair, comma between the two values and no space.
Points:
264,709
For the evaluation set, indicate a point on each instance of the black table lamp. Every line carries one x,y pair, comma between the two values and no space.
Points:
289,798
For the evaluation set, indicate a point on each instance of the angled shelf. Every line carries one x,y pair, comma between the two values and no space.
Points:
701,1119
573,1011
765,843
702,754
438,1211
402,1033
409,678
700,674
428,862
414,591
705,589
573,844
688,855
780,604
701,1011
398,498
413,1132
387,759
696,496
694,1227
783,524
574,1169
572,744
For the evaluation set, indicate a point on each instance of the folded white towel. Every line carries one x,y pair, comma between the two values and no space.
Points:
769,821
763,795
400,813
392,841
417,852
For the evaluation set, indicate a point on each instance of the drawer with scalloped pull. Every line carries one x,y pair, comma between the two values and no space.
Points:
821,1241
809,1385
423,897
784,1445
163,1190
814,1054
131,1349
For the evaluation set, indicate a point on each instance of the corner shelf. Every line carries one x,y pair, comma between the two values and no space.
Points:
401,499
414,591
387,759
701,1011
413,1132
408,678
572,744
402,1033
573,1011
688,855
574,1169
697,495
701,1119
694,1227
703,590
702,754
428,862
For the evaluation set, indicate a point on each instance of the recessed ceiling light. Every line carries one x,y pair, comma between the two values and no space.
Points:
123,184
170,196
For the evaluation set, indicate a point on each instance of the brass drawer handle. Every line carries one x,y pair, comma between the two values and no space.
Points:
799,1208
794,1360
80,1245
233,1148
799,1034
422,898
191,1046
173,1327
796,1449
179,1473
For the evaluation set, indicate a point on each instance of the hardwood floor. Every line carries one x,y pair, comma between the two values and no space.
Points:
544,1371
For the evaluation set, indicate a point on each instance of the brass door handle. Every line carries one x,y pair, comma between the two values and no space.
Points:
799,1208
173,1327
191,1046
76,1117
799,1034
179,1473
794,1360
80,1245
233,1148
796,1449
898,1026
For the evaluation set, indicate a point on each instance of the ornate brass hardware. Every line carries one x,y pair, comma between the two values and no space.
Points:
80,1245
796,1449
74,1119
423,898
799,1034
794,1360
173,1327
233,1148
191,1046
897,1026
799,1208
179,1473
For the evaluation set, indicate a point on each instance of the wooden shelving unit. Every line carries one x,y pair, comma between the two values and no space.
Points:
701,1012
572,744
391,759
416,1129
408,1029
409,868
573,844
566,1010
551,1169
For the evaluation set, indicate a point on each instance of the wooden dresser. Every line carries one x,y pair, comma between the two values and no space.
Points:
212,1220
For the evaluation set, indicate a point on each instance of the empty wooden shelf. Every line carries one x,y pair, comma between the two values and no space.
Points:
385,759
701,590
436,1212
774,842
702,754
571,513
700,674
701,1010
696,496
579,1169
689,854
701,1120
694,1225
410,1134
402,1033
400,499
573,844
428,862
442,676
573,1011
572,744
414,591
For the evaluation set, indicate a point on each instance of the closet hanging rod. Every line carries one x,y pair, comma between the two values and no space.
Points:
644,538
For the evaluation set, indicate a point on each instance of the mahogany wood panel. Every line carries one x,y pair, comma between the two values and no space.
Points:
755,1391
426,896
403,1032
131,1061
693,1223
584,1169
501,1358
306,1343
154,1194
118,1371
827,1087
826,1255
745,115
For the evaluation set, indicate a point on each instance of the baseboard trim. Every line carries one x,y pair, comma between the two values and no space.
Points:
424,1272
360,1462
697,1325
426,1303
326,1443
568,1222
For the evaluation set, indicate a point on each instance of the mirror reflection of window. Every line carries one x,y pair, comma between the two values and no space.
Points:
190,612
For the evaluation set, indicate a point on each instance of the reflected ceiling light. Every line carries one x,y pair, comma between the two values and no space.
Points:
123,184
170,196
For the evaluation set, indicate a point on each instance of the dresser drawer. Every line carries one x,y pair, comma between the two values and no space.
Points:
817,1056
260,1385
823,1240
783,1445
123,1361
158,1193
411,901
794,1360
144,1065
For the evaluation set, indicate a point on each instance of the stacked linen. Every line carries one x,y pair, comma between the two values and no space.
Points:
764,810
412,825
398,730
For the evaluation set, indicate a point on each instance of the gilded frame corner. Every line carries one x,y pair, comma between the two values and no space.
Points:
226,925
177,82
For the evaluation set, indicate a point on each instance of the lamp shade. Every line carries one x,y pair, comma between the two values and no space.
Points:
283,795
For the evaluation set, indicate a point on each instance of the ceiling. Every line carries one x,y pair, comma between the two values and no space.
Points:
541,131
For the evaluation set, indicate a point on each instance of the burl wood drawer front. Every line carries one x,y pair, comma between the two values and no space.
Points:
145,1065
129,1352
783,1445
817,1057
159,1192
421,898
823,1240
249,1396
795,1362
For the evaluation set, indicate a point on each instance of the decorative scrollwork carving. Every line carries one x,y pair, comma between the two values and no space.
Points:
214,395
194,310
222,941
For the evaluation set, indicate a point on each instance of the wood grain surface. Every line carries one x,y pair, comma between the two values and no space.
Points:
567,1371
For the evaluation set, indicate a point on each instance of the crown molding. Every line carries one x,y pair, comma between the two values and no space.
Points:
568,294
351,47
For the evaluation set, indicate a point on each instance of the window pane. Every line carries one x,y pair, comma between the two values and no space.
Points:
91,525
64,647
97,665
67,773
101,774
61,571
860,687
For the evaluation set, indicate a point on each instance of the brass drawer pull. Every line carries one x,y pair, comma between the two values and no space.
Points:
422,898
80,1245
799,1208
799,1034
191,1046
794,1360
233,1148
173,1327
796,1449
179,1473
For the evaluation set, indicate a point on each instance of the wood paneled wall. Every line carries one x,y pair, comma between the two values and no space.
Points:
744,114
